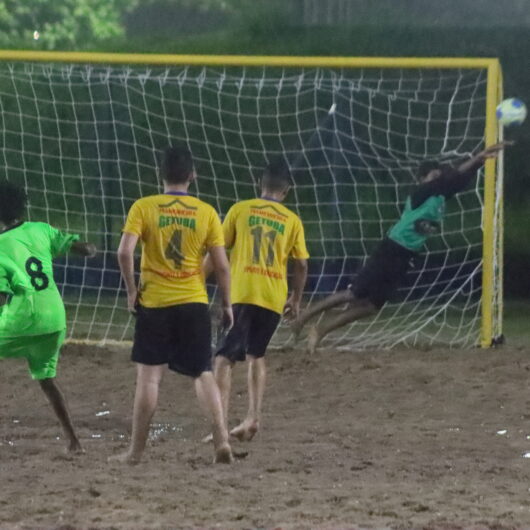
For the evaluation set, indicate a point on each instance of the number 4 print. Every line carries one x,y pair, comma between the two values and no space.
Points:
174,249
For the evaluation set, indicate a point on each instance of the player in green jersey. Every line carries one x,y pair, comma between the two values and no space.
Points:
32,315
388,264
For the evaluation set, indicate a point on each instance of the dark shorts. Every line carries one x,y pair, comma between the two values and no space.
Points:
179,336
383,272
253,329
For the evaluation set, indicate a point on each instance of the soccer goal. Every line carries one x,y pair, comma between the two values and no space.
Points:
81,131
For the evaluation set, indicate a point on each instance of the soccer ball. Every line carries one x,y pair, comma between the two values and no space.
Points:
511,112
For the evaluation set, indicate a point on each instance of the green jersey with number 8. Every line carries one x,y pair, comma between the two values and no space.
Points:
34,304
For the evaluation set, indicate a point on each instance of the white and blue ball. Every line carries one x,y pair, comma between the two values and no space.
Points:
511,112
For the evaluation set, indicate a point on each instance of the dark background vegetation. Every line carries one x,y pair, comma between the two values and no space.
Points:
463,28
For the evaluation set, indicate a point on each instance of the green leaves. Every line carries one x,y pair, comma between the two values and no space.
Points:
48,24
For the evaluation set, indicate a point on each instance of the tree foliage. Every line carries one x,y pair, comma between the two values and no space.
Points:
52,24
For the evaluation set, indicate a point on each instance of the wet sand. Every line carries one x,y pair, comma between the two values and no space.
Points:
403,439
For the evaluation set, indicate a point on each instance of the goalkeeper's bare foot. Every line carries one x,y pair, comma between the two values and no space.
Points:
313,340
223,454
245,431
125,458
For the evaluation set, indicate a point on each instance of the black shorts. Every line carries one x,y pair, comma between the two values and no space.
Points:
179,336
383,272
253,329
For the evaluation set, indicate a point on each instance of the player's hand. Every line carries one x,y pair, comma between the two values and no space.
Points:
493,150
227,318
132,301
291,311
91,250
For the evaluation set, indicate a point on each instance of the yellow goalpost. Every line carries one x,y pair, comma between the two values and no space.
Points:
492,263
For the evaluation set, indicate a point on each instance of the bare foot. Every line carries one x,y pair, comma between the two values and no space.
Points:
125,458
207,439
223,454
74,447
245,431
313,339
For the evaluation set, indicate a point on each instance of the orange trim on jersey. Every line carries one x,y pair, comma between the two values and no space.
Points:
264,272
176,274
272,207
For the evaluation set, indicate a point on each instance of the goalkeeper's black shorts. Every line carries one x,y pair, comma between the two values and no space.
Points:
383,272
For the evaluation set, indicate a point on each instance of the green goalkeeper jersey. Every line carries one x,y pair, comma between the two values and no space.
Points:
34,304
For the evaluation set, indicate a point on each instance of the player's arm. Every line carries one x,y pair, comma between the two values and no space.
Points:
207,266
229,234
300,255
456,179
292,306
473,163
221,268
83,248
126,262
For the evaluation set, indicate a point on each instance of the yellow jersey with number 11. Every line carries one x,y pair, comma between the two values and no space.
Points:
176,231
262,234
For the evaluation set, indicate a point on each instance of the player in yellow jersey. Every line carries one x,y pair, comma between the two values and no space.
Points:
173,325
262,235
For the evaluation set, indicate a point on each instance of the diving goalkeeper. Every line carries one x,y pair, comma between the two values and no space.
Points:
387,266
32,316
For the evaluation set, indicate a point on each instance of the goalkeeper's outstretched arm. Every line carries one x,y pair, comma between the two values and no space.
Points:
452,180
476,161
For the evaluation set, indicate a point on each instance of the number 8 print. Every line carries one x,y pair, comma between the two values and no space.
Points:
39,280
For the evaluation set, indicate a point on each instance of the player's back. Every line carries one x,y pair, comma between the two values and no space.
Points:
176,230
26,274
262,234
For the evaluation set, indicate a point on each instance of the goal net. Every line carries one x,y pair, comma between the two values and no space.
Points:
84,140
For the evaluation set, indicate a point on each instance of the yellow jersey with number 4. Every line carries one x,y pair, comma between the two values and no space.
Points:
262,234
176,231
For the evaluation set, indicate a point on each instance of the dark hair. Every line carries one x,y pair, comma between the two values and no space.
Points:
13,201
276,176
177,164
426,167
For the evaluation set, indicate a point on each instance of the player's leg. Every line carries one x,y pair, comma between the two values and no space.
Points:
355,311
151,348
230,349
256,378
210,400
58,403
383,272
262,326
339,298
42,354
223,376
192,356
145,401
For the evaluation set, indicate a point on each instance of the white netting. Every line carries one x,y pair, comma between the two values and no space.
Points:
84,140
